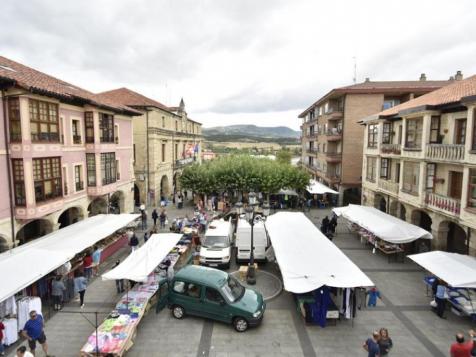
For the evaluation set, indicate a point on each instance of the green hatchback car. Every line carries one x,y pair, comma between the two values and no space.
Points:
211,293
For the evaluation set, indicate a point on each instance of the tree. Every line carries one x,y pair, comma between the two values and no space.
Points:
284,156
242,173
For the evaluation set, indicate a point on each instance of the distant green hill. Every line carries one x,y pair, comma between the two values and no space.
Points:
250,133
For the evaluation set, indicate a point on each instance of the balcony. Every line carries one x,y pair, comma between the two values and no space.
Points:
184,162
445,152
333,157
391,149
311,151
76,139
332,177
444,204
334,134
313,168
79,185
334,114
45,137
388,186
15,137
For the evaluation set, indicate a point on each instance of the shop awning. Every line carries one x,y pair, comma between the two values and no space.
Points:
287,192
458,270
382,225
307,258
317,188
22,266
140,263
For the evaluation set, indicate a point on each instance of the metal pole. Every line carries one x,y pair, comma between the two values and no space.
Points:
96,326
251,275
148,168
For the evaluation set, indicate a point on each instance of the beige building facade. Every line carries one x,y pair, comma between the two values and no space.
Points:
332,136
166,140
420,164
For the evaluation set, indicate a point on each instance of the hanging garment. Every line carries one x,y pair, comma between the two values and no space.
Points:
322,300
353,302
347,303
8,307
10,334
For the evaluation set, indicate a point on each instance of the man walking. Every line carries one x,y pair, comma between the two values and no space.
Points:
163,218
440,299
461,348
144,219
155,216
33,331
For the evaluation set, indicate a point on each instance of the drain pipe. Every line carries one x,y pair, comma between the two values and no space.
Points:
9,169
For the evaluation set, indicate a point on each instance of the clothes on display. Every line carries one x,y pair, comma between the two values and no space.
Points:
10,333
25,305
8,307
317,307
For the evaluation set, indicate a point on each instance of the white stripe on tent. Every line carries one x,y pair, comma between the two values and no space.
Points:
140,263
458,270
317,188
382,225
307,258
22,266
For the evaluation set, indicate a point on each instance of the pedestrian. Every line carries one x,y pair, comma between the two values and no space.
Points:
371,345
385,343
163,218
33,331
80,284
146,237
155,216
22,352
96,260
143,217
440,298
180,201
134,242
373,295
2,349
333,224
325,225
460,348
186,194
309,204
57,288
88,265
119,282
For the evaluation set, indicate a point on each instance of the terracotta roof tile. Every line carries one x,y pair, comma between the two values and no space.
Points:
128,97
452,93
41,83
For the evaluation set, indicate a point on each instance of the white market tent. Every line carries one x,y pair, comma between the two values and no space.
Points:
140,263
24,265
307,258
317,188
458,270
287,192
382,225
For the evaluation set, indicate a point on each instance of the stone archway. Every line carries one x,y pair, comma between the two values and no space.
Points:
164,187
380,203
70,216
393,208
3,244
423,220
116,202
137,199
352,195
402,212
34,229
97,206
455,237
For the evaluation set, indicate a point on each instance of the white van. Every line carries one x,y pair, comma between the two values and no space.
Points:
216,244
243,241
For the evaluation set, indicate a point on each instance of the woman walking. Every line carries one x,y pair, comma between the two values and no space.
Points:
385,342
80,284
57,288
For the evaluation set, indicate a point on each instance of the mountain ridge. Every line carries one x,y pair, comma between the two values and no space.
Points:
251,131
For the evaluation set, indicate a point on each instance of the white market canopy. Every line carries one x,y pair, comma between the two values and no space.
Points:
140,263
22,266
307,258
317,188
287,192
457,270
382,225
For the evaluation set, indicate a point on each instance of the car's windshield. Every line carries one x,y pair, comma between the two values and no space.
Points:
215,242
232,289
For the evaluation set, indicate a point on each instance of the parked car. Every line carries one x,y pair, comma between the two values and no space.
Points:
214,294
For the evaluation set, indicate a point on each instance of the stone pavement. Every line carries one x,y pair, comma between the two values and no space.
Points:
415,330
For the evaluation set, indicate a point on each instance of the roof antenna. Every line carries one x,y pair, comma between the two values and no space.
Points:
355,69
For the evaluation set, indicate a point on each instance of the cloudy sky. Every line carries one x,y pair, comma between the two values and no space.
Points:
239,61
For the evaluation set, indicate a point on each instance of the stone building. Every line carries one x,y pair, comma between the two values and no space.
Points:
420,164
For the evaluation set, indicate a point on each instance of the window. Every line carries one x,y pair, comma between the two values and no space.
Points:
435,137
179,287
163,152
372,135
413,136
472,188
213,295
116,134
134,151
323,148
397,173
43,121
65,184
387,133
108,168
78,177
176,125
118,173
76,132
106,128
371,168
455,188
399,138
163,122
91,169
411,174
47,178
389,103
14,117
430,177
89,123
193,291
385,167
460,131
19,182
473,146
176,151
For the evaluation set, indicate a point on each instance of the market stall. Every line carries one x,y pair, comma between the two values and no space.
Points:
322,278
319,191
458,271
115,335
384,232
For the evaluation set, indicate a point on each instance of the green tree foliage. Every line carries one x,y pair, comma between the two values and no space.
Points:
284,156
242,173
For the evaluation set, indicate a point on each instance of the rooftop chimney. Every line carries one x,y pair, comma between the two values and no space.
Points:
423,77
367,80
452,78
459,76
